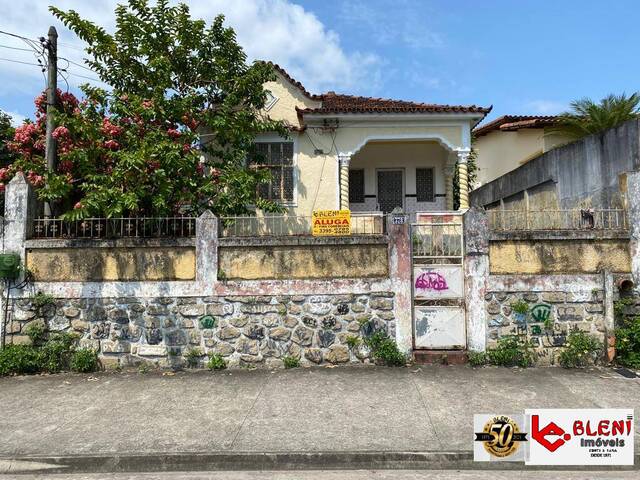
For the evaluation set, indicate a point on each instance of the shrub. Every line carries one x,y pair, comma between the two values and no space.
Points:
290,362
477,359
37,332
216,362
193,357
628,343
511,351
384,348
84,360
19,360
55,354
580,350
520,306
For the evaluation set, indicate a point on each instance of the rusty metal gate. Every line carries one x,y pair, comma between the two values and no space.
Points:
438,281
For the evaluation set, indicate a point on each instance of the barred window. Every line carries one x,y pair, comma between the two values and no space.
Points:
424,185
277,157
356,186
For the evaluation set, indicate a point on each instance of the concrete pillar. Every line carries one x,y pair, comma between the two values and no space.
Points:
448,182
463,179
343,163
207,248
19,208
476,271
609,315
400,277
633,199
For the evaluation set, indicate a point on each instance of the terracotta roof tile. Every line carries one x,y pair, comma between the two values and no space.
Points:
337,103
511,123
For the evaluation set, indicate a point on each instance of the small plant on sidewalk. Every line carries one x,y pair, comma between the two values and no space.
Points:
216,362
353,341
384,349
580,350
290,362
511,351
477,359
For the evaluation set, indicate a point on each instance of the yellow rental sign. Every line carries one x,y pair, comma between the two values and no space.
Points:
331,223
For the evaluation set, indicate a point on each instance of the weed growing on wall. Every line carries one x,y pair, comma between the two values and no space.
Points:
290,362
477,359
580,350
84,360
384,349
512,351
193,357
628,343
353,341
216,362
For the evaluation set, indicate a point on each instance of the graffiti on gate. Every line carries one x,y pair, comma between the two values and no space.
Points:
431,280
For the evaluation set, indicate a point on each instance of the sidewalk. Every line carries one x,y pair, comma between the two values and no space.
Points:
337,410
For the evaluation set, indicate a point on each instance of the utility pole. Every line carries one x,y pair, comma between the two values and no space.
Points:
52,86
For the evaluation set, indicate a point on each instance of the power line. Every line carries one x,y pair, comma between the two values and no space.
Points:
17,48
18,61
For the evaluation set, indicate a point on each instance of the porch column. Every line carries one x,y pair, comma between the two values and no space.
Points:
343,162
463,179
448,183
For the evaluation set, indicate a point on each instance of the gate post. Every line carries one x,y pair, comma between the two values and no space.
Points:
400,277
633,199
476,270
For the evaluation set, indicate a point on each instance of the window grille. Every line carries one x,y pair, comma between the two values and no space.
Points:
356,186
424,185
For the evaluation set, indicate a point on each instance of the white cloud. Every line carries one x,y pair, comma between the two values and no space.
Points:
546,107
275,30
16,118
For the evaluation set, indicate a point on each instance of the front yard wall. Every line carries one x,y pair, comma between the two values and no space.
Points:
245,330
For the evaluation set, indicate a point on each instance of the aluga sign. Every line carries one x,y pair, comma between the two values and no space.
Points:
331,222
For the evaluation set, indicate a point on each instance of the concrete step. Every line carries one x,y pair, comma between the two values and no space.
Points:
440,357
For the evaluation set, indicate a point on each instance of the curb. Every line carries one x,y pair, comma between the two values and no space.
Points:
253,461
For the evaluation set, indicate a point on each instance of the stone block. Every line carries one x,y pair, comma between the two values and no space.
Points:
227,333
247,346
313,355
554,297
220,309
80,325
154,309
175,337
303,336
71,312
280,333
271,320
255,331
240,321
317,308
118,315
193,310
290,322
493,308
381,304
109,346
338,354
21,315
326,338
152,350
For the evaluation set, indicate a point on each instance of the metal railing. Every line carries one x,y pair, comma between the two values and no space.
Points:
576,219
130,227
437,240
289,225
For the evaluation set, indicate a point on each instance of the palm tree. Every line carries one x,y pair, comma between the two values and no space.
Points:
587,117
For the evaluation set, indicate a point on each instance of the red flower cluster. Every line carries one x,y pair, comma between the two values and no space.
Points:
109,128
35,179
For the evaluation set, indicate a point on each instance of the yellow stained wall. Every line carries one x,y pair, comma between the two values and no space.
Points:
112,264
304,262
558,256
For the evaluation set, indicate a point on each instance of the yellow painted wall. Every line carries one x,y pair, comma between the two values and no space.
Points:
112,264
303,262
558,256
289,97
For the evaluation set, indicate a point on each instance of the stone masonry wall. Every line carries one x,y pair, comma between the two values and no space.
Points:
566,311
246,330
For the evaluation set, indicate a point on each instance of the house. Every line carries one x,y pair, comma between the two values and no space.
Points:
507,142
364,154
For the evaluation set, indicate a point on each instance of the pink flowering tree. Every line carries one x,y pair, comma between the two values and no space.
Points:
171,136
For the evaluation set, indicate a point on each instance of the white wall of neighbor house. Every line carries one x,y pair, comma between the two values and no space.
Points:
406,156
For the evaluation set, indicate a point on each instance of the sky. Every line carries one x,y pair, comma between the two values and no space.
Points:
522,57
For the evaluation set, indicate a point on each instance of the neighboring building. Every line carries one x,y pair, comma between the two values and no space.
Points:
365,154
510,141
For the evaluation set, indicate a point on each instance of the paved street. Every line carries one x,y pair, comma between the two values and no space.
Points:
421,409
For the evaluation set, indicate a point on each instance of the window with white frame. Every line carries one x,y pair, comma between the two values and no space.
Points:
277,158
424,185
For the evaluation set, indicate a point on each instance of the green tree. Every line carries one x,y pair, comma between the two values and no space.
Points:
6,134
180,89
587,117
